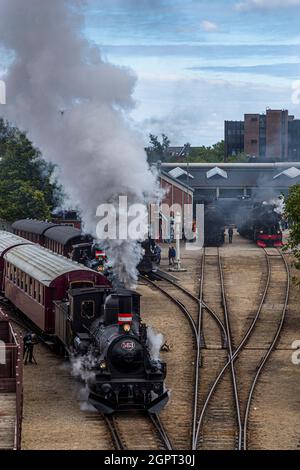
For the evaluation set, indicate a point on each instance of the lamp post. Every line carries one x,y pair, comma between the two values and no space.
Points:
178,232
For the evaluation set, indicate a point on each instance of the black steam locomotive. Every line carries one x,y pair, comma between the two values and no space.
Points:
261,223
214,226
106,334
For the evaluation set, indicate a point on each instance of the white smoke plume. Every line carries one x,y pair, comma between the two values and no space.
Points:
154,343
81,367
279,204
73,105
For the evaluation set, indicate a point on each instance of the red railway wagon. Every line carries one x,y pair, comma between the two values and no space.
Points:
35,277
62,239
11,385
32,230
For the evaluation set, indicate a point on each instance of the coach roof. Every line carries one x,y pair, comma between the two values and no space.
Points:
64,233
32,226
41,264
8,240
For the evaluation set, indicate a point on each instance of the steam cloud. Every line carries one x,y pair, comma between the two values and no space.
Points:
279,204
73,105
155,342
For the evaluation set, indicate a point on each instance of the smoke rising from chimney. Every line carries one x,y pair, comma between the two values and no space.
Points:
73,105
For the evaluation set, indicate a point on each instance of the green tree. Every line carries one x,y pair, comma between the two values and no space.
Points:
210,154
27,185
158,150
239,158
292,213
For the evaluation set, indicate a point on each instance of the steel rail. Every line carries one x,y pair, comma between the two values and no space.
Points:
230,354
236,352
115,434
268,353
161,431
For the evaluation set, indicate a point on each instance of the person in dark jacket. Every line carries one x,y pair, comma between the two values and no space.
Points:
29,341
230,234
157,254
172,255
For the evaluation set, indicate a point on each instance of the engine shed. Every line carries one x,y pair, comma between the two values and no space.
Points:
231,183
177,196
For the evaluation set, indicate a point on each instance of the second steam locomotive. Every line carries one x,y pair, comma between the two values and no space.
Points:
261,223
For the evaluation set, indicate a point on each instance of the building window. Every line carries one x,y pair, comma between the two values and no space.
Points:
254,141
254,119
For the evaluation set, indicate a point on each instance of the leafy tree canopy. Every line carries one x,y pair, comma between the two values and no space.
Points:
27,184
210,154
158,149
292,213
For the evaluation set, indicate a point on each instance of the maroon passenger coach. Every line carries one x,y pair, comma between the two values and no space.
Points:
33,278
7,241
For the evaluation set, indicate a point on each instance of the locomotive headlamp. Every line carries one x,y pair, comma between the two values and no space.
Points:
126,327
102,365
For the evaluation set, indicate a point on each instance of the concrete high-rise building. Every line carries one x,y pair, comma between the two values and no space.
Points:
251,136
273,136
234,137
294,140
276,135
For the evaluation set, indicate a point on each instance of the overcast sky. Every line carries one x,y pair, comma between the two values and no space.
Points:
199,62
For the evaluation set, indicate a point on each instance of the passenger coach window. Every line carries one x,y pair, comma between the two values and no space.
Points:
88,309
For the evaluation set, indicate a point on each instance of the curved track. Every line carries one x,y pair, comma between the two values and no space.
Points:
242,421
195,321
234,356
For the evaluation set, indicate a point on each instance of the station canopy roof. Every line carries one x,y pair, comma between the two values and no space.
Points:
8,240
238,175
216,172
33,226
177,172
290,172
41,264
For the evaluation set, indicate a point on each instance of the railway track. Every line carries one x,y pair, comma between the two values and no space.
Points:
192,307
273,338
267,349
126,433
227,370
222,426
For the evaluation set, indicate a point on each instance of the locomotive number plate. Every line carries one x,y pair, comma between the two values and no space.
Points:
128,345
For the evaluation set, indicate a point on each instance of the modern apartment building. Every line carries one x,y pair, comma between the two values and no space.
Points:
273,136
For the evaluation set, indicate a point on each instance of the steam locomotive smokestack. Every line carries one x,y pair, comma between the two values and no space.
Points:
72,103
